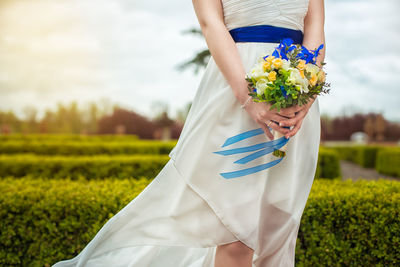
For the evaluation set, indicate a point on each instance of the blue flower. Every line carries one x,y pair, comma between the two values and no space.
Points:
316,51
275,53
306,55
287,42
309,56
283,91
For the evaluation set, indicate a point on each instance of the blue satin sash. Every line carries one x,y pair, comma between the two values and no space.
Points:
265,34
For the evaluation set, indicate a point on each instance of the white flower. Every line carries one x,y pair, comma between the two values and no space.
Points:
313,69
294,76
261,58
285,64
257,71
261,85
296,79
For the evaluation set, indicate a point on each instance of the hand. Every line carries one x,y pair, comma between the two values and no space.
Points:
260,112
296,121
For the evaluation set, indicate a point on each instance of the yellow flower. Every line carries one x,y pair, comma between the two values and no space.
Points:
269,59
321,76
267,66
313,79
277,63
272,76
302,73
301,65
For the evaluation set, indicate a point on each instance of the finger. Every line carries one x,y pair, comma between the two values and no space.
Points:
267,131
277,117
294,120
290,110
295,129
276,127
286,115
291,115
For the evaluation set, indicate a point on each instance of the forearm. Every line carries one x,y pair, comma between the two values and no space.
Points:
222,48
226,55
314,34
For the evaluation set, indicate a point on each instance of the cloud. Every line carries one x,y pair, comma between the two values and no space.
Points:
363,61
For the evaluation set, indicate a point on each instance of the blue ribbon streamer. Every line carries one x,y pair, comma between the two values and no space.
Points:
244,135
235,174
263,149
262,152
239,150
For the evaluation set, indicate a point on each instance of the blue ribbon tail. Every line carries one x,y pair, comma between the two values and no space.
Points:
261,153
242,136
250,148
235,174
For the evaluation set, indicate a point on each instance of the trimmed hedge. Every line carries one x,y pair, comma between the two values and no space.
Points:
60,147
119,166
67,137
348,223
364,156
43,221
388,161
89,167
328,165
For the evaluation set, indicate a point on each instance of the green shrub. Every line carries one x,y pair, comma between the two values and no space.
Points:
350,224
64,147
119,166
364,156
67,137
346,223
43,221
388,161
89,167
328,165
367,156
347,153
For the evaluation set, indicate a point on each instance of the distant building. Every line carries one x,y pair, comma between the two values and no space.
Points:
359,137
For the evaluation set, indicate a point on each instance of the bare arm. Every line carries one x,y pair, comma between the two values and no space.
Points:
221,45
314,35
226,55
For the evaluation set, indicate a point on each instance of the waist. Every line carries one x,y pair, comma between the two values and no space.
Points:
265,34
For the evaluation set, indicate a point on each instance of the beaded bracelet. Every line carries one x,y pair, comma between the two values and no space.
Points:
245,103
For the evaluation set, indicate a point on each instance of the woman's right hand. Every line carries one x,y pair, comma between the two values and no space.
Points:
260,112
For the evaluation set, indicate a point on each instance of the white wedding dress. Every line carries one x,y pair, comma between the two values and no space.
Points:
189,208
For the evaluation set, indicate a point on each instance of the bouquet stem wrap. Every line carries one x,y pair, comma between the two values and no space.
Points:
281,152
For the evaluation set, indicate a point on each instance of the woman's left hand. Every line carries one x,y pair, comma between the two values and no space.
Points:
297,119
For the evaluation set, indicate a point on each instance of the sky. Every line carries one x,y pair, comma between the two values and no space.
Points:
128,51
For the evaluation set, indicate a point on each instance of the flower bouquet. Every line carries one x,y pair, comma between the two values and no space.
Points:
288,77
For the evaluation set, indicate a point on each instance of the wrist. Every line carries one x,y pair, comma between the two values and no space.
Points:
241,93
246,103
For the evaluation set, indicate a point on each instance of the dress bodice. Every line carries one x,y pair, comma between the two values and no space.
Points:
282,13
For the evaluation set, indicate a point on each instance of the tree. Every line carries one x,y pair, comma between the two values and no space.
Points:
128,122
380,127
201,58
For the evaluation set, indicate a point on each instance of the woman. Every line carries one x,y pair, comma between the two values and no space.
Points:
193,213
